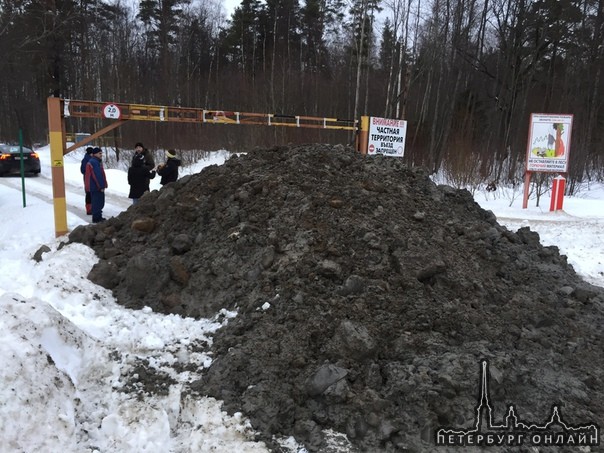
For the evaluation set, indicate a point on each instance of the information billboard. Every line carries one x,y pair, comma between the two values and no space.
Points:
549,143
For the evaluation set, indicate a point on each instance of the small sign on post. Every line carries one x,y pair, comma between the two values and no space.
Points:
557,193
112,111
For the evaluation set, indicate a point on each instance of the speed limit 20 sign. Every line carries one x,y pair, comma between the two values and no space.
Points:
112,111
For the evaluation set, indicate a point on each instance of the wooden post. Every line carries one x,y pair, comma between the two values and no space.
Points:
527,182
56,132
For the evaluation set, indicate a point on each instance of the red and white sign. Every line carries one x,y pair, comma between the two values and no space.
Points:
386,136
112,111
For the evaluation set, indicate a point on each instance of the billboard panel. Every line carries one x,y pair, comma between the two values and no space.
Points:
549,142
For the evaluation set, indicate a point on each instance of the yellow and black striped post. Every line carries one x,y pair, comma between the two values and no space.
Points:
56,131
364,135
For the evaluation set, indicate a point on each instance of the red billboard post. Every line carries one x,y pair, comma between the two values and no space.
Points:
557,193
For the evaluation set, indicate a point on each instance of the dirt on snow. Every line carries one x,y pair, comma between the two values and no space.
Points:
366,295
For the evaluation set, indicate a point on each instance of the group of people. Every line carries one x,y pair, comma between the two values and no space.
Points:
143,170
140,173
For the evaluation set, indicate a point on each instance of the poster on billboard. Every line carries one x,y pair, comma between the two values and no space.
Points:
549,143
387,136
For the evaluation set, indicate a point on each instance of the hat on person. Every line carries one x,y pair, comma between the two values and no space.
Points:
171,153
139,144
89,150
96,150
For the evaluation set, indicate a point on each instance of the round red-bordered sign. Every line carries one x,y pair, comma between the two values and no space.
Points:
112,111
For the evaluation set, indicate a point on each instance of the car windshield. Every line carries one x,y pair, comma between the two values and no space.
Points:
13,149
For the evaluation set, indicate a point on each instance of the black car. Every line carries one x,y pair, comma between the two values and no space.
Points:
10,160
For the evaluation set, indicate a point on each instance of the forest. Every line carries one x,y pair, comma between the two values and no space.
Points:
465,74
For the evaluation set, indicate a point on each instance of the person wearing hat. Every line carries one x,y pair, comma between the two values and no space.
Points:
169,170
138,178
96,183
85,160
140,150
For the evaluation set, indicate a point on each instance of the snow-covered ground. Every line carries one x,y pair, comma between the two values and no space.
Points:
65,345
577,230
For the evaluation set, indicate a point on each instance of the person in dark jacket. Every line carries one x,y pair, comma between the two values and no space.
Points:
140,150
96,183
138,178
169,170
85,160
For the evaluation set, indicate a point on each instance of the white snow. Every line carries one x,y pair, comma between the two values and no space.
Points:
66,345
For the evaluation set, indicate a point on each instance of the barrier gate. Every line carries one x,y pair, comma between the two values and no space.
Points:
60,109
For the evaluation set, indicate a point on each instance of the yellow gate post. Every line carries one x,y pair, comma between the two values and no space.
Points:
56,130
363,135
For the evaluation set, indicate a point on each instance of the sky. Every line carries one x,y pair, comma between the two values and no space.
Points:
230,5
66,345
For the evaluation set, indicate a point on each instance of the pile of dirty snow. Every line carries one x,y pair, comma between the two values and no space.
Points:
367,297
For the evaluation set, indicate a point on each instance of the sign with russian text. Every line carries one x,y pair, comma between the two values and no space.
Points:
549,143
514,431
386,136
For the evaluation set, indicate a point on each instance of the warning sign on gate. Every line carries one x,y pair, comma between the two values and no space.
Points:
387,136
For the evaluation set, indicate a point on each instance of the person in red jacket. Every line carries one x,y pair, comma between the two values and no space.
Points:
96,183
85,160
